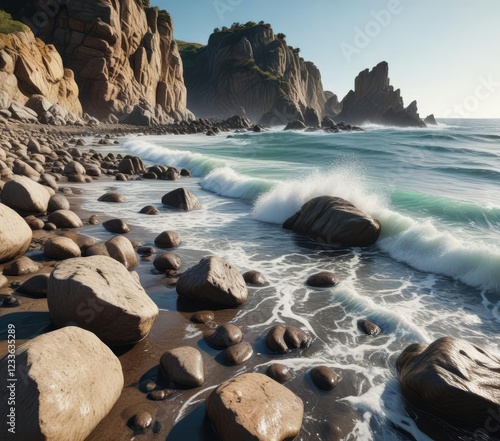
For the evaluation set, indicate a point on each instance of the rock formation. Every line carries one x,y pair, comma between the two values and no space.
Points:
250,71
375,100
30,68
454,380
334,221
124,57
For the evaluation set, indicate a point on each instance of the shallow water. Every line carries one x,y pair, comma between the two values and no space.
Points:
434,271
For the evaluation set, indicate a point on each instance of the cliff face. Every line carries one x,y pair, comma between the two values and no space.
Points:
30,67
375,100
248,70
124,57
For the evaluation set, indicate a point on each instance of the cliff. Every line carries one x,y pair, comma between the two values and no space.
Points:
124,57
250,71
30,67
375,100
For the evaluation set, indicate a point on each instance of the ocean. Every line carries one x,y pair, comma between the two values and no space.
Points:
435,270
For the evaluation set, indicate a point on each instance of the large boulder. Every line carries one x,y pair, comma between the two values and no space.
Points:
253,407
25,195
67,382
99,294
181,198
452,379
334,221
213,280
15,234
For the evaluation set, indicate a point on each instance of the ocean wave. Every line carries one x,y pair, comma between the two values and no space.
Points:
226,182
420,243
199,165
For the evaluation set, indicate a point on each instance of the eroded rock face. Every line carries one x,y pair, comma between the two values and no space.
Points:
251,72
334,221
213,280
125,59
254,407
64,393
99,294
375,100
30,67
452,379
15,234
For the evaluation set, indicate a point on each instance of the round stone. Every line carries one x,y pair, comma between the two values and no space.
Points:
324,378
279,372
324,279
142,420
238,353
203,317
223,336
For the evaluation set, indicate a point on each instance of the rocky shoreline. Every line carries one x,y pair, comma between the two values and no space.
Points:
167,375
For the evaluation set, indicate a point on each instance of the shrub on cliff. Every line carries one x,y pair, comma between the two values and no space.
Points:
7,25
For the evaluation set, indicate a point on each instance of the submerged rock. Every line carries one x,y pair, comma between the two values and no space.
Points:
335,221
369,328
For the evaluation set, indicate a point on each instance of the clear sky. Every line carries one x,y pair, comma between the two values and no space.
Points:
443,53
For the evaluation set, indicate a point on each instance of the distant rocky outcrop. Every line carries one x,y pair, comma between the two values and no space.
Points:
430,120
250,71
123,54
32,75
375,100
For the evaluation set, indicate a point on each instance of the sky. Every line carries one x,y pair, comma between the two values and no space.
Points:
443,53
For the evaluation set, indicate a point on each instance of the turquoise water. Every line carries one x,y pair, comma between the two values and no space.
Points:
435,270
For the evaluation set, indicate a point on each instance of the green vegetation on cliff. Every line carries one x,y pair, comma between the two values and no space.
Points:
7,25
189,52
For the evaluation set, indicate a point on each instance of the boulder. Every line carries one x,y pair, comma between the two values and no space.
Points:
167,262
203,317
131,165
223,336
58,202
213,280
99,294
118,248
168,239
62,394
183,366
25,195
182,199
295,125
334,221
369,328
279,372
324,279
150,210
255,278
452,379
324,378
15,234
112,197
117,226
238,353
283,338
253,407
60,248
65,219
21,266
